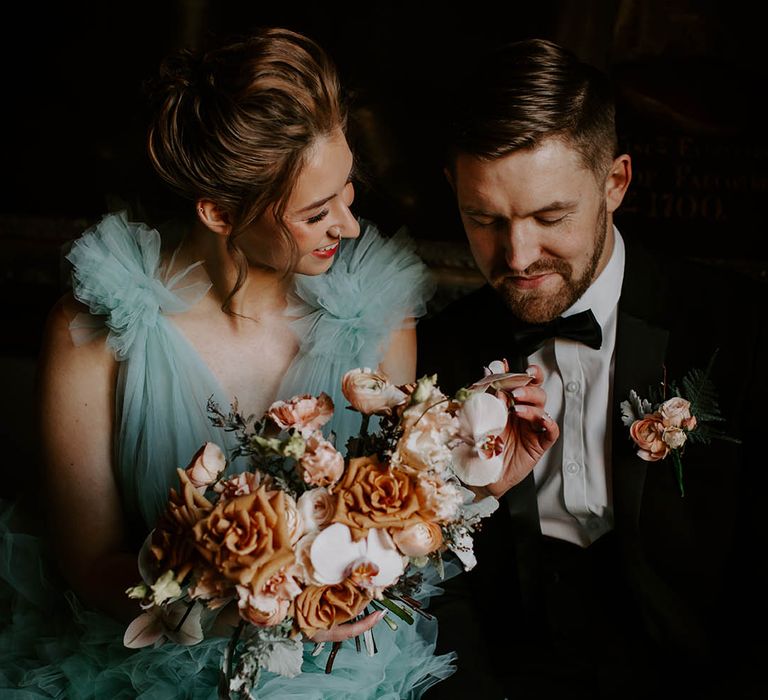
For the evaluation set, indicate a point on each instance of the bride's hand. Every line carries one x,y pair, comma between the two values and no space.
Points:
530,433
347,630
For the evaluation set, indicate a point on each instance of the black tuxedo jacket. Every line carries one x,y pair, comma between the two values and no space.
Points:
691,570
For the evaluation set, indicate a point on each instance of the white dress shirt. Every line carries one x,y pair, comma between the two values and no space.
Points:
572,479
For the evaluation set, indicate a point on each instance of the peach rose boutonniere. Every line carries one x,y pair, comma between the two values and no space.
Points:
662,427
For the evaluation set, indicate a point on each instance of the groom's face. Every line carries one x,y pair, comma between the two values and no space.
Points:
537,225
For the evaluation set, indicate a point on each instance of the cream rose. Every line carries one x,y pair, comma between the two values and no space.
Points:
316,507
674,437
675,411
371,392
419,539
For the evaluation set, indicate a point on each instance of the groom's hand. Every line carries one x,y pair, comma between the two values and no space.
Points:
530,432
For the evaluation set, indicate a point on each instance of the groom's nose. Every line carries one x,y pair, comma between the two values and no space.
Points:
521,244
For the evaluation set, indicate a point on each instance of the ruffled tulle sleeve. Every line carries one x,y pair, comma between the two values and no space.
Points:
117,274
345,317
163,386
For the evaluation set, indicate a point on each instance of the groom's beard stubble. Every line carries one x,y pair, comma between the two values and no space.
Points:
539,307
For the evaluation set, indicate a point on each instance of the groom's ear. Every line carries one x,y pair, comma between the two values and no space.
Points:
617,181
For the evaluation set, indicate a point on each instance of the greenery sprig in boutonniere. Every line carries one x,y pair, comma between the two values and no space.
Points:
674,415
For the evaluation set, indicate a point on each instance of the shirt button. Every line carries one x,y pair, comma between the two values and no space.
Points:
572,387
572,468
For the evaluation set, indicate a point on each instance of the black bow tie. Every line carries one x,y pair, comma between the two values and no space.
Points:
582,327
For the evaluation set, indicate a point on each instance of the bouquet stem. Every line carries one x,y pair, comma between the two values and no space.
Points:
227,665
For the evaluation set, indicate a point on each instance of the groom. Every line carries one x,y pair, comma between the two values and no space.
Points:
595,577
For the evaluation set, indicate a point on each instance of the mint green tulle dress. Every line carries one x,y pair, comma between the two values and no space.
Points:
52,646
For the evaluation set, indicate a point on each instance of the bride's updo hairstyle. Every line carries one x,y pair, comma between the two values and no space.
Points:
235,124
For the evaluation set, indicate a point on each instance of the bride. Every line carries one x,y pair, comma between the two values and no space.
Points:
273,288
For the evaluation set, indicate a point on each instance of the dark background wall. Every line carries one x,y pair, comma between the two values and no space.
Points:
691,76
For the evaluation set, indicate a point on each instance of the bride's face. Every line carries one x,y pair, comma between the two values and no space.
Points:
318,211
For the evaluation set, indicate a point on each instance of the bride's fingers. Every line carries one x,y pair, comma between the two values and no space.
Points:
340,633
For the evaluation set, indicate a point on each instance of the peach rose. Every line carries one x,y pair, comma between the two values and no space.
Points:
303,412
371,392
675,411
321,464
247,537
372,495
648,435
419,539
316,507
322,607
209,461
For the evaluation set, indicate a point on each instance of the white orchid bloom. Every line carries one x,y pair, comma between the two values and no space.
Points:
334,554
477,459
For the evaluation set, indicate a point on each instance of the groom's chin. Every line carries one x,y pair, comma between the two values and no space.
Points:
532,306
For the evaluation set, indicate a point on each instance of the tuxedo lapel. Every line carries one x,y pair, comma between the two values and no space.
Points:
641,347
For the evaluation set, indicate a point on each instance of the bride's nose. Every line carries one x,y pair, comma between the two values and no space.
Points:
346,224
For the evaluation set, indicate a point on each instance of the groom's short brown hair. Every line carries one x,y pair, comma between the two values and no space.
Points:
518,94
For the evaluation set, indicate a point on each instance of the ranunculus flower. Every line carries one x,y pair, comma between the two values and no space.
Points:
247,537
316,506
648,435
335,555
209,461
371,392
418,540
303,412
478,458
321,464
372,495
675,411
322,607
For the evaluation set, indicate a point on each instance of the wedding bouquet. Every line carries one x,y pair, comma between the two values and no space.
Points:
306,538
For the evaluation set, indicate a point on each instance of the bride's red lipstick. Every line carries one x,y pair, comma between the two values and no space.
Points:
329,253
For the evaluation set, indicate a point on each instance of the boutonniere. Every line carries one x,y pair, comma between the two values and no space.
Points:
674,415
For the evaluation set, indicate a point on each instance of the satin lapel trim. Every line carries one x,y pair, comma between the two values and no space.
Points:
640,357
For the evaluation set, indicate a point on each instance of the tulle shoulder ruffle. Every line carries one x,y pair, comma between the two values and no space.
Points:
372,289
117,272
344,318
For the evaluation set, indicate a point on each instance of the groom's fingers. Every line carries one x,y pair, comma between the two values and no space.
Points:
531,394
537,373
